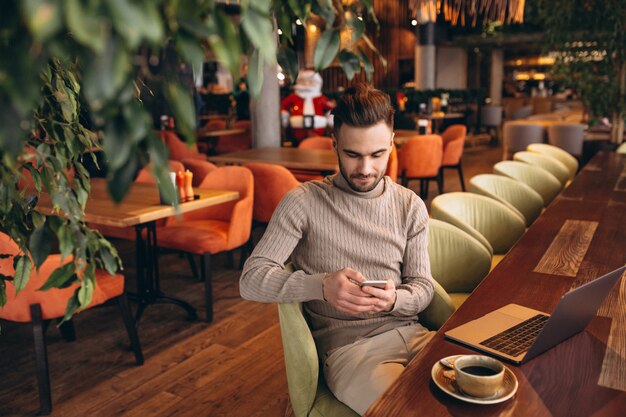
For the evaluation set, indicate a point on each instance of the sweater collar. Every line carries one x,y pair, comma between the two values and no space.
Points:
340,182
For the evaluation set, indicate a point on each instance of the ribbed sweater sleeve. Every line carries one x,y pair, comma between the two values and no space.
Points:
264,277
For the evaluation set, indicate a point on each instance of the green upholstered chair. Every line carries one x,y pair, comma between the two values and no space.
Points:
550,164
308,392
490,222
457,261
536,178
439,310
567,159
514,194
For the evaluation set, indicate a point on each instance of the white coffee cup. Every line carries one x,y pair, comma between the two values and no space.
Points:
479,375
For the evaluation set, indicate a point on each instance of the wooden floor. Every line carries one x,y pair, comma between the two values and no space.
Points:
232,367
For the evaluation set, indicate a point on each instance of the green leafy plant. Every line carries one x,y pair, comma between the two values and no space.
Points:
71,84
588,38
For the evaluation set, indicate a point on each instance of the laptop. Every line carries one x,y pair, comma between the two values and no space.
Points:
518,334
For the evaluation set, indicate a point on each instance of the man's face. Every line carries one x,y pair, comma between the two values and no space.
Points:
363,153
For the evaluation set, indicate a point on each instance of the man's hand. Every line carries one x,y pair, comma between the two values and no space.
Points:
345,295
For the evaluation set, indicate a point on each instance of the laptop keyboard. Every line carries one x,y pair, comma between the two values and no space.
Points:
517,339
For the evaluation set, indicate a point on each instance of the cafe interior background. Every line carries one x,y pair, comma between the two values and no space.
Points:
96,86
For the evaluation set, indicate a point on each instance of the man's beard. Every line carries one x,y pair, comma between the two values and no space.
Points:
354,186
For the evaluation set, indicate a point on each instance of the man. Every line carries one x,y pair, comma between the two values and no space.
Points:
352,226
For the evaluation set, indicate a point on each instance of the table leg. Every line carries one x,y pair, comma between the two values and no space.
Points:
148,284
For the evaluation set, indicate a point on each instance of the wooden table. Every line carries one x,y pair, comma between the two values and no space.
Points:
319,160
581,236
141,209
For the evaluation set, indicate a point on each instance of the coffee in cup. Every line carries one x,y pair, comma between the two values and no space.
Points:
478,375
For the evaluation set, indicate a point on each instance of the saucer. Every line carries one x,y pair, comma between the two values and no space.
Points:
448,385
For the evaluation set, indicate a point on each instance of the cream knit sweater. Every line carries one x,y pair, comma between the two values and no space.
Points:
325,226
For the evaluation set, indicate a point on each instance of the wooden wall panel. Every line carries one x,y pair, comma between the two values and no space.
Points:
395,41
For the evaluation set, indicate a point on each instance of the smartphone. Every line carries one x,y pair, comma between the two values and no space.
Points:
378,283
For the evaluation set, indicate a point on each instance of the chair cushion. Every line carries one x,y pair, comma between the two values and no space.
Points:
195,236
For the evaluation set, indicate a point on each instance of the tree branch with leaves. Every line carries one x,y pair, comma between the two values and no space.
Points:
70,86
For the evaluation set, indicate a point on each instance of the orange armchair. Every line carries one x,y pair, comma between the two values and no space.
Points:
199,168
312,142
317,142
272,183
392,164
215,229
238,142
179,150
453,143
36,307
420,159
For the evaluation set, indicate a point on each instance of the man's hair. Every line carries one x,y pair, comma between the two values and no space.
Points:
361,106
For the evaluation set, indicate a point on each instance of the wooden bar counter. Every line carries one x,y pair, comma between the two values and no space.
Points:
581,236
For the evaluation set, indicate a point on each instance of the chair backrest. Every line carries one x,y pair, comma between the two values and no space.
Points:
522,113
179,150
421,156
304,380
567,159
237,213
238,142
215,124
317,142
512,193
550,164
490,222
453,143
272,183
546,117
567,136
145,174
491,116
457,261
392,164
536,178
439,310
199,168
518,135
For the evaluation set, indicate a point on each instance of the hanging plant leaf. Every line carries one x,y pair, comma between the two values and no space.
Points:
40,244
43,18
259,28
367,65
23,267
183,109
326,49
72,307
300,10
86,24
59,277
288,60
255,73
87,286
326,10
283,19
355,24
350,63
224,41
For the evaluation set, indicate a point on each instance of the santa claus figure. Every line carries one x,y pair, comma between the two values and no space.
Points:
306,110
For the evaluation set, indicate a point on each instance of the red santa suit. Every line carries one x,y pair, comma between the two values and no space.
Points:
306,110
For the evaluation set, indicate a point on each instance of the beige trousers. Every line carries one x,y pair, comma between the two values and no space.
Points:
360,372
